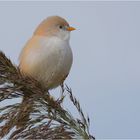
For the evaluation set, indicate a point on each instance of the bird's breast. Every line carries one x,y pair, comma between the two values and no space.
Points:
47,59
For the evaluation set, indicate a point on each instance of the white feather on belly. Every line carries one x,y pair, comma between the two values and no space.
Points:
47,59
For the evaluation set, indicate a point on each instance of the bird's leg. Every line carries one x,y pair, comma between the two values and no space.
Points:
62,92
62,85
46,91
62,89
62,96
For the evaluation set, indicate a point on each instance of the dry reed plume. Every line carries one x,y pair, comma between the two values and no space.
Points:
38,115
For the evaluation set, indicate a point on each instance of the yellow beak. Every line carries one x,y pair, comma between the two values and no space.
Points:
70,29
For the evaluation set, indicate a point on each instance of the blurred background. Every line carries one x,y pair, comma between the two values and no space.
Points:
105,76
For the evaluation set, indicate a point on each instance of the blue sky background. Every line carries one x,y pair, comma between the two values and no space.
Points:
105,75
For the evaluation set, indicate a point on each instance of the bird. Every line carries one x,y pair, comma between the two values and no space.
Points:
47,55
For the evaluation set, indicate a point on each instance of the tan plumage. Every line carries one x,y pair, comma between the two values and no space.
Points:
47,56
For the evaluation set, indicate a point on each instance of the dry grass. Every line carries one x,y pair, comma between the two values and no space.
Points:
38,116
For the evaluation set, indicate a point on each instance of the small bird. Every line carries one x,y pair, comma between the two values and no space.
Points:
47,56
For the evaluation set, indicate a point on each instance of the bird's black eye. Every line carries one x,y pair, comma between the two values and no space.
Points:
60,27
